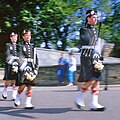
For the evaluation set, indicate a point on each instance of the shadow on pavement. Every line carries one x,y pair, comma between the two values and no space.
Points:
27,113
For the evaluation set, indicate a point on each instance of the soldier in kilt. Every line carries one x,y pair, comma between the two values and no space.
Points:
91,65
28,69
11,65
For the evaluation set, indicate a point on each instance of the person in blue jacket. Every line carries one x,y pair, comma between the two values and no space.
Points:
62,68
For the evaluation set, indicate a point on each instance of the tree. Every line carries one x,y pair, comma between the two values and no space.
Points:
51,13
59,19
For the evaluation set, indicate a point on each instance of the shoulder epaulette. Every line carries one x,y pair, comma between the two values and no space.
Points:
8,44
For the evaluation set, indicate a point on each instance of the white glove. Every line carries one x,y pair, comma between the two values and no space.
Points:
36,72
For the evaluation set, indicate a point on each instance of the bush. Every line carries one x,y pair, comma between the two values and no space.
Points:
2,63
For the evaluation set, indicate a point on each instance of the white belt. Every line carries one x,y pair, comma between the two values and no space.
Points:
16,57
29,59
87,47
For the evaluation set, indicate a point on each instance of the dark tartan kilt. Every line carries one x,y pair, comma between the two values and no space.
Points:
21,79
9,75
87,71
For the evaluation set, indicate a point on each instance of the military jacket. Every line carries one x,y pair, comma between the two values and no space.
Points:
26,50
88,35
11,57
89,39
11,51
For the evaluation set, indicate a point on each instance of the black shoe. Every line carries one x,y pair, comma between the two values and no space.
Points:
29,107
98,109
4,97
16,105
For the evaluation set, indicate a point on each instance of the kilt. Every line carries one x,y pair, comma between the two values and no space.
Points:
9,75
87,70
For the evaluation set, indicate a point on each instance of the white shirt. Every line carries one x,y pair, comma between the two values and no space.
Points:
72,64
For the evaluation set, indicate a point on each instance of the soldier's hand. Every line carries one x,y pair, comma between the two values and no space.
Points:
36,72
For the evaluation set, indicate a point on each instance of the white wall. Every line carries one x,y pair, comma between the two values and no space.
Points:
49,57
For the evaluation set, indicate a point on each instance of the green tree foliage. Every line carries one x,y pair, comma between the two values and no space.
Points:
113,21
54,20
20,14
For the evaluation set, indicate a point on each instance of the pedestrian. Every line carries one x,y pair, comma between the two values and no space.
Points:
28,69
91,65
71,68
11,65
61,68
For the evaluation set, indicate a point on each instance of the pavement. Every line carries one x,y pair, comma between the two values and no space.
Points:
57,103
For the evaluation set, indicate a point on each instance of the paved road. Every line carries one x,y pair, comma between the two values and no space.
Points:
57,103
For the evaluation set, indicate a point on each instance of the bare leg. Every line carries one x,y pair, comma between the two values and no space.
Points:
14,90
88,84
7,82
21,88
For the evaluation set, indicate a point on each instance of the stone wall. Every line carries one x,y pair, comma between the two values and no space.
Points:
1,76
108,49
48,76
49,57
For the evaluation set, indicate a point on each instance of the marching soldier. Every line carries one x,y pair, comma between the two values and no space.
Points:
91,65
28,69
11,65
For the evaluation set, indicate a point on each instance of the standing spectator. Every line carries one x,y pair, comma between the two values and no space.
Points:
91,65
11,65
62,68
28,69
71,68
